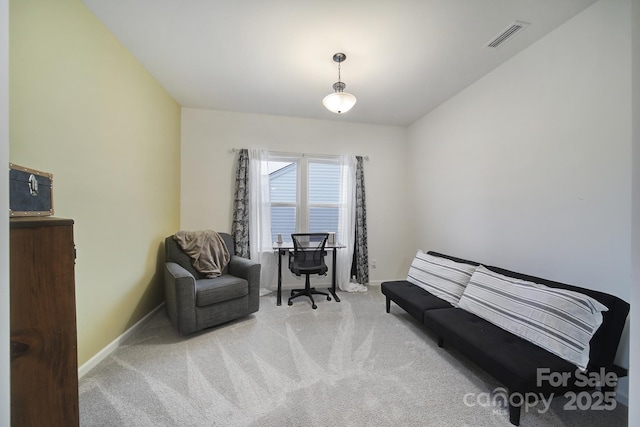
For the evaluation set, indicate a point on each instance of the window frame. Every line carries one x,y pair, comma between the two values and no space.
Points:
302,204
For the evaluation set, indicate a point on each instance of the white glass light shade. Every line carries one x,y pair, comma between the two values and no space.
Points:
339,102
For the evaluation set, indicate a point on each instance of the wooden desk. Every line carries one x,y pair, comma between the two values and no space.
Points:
284,247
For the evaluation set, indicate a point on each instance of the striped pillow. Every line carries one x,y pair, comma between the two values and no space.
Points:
442,277
558,320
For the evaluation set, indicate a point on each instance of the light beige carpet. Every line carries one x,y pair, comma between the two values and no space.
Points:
344,364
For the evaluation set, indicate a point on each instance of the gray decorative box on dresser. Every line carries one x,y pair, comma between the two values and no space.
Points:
30,192
44,361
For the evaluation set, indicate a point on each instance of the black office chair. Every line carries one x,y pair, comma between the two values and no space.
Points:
308,258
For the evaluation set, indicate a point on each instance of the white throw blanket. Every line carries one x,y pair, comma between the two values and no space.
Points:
207,249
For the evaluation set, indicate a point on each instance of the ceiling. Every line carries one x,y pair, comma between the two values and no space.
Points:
404,57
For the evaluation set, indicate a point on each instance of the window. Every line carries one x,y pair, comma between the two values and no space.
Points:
283,184
324,196
305,195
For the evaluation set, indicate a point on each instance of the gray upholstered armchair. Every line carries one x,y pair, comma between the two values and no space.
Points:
194,302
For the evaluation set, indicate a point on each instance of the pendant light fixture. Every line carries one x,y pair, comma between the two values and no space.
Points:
339,102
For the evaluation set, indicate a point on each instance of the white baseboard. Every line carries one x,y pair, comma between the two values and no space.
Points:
102,354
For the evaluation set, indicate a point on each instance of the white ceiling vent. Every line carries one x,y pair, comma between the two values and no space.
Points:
507,34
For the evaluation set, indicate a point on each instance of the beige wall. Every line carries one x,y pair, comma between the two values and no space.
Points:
530,167
208,170
83,108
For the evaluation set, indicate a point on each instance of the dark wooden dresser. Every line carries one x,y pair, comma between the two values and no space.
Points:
44,360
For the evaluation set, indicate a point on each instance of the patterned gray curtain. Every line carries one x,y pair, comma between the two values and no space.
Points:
361,251
240,226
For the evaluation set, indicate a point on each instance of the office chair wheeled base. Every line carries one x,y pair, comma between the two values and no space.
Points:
307,291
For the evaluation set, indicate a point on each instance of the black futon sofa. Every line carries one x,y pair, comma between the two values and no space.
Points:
511,360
